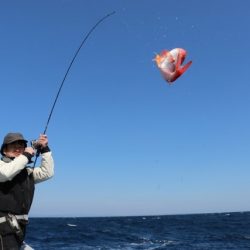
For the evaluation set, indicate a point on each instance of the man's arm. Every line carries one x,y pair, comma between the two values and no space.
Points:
46,170
9,170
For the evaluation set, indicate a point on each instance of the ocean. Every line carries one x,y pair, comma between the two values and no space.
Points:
197,231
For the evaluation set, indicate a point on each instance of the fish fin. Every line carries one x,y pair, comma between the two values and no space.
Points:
164,53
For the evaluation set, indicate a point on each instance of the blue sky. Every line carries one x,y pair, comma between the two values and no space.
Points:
123,140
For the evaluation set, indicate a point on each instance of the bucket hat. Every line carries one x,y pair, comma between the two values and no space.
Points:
10,138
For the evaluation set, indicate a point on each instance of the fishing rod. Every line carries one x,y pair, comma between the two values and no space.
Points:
64,78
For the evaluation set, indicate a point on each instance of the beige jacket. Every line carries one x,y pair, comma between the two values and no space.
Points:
42,173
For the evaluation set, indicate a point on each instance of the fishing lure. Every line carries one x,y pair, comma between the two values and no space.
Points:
170,63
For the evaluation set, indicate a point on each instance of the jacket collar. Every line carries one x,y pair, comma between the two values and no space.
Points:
7,159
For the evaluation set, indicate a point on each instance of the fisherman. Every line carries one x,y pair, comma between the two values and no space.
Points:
17,185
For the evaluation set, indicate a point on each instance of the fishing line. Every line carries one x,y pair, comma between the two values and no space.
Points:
66,74
71,63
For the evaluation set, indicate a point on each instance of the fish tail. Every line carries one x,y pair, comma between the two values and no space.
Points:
185,67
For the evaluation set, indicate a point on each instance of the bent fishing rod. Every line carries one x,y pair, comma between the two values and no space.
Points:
64,78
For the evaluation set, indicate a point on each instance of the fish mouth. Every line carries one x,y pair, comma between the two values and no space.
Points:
182,58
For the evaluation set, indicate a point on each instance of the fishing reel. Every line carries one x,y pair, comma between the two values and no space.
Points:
35,144
37,147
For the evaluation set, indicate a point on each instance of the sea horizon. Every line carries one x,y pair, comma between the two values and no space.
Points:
143,215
